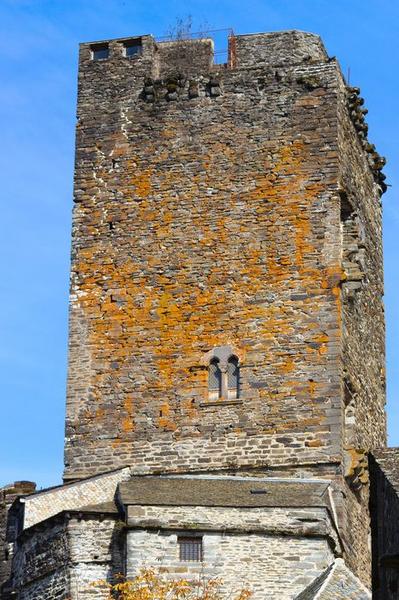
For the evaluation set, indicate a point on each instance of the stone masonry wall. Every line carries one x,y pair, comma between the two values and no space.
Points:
276,49
384,503
312,522
40,564
363,331
279,567
63,558
54,586
8,494
97,553
362,287
232,206
206,215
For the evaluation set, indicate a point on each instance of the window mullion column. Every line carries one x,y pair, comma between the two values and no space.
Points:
225,386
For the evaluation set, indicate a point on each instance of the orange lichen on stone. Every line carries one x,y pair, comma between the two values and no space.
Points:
313,443
127,422
164,420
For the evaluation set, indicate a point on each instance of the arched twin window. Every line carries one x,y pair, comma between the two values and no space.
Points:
224,379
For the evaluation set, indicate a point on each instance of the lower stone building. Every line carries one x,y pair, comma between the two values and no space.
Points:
272,536
277,537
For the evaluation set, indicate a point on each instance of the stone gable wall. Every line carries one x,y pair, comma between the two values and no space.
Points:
342,584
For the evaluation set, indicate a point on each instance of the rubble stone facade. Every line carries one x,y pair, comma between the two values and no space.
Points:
64,557
246,216
8,494
384,508
244,561
205,222
235,206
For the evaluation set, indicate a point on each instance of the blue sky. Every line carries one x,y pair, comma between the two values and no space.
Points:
38,48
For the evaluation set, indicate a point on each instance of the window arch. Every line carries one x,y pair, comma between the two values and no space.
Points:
214,379
224,373
233,377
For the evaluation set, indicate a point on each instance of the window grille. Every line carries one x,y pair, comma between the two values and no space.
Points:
233,377
215,378
190,548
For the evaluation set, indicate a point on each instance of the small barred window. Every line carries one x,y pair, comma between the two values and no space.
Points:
190,548
233,377
215,379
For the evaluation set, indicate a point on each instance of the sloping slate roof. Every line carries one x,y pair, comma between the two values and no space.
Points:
388,460
187,491
336,583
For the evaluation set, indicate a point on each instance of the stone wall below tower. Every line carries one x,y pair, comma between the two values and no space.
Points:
61,558
275,567
8,494
384,504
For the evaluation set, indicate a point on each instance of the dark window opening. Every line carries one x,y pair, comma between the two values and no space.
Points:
100,52
214,379
233,377
190,548
133,48
346,207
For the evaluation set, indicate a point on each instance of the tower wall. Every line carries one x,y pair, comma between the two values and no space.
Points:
363,329
223,206
207,215
363,336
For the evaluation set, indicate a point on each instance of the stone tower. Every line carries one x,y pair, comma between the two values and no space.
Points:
226,320
223,208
